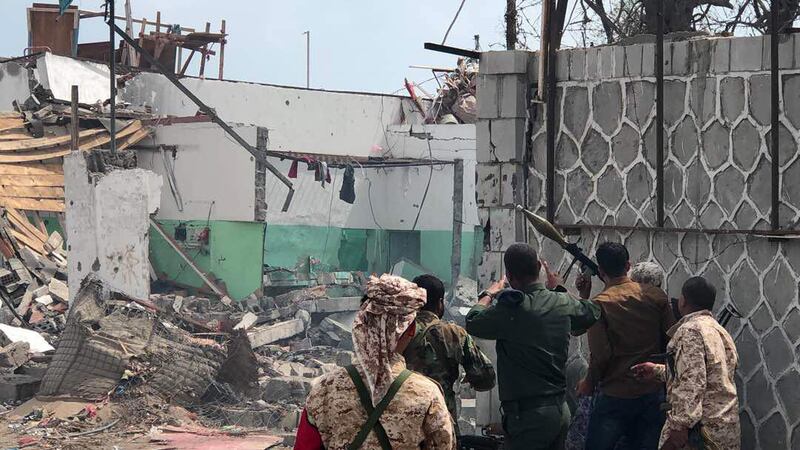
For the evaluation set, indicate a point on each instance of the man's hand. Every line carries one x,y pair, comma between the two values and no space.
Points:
583,283
553,279
645,371
584,389
677,439
492,291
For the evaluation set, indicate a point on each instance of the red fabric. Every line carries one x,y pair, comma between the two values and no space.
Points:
293,170
308,437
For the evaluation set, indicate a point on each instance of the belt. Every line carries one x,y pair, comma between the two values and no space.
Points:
524,404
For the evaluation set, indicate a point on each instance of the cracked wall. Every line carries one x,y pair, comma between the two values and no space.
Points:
717,176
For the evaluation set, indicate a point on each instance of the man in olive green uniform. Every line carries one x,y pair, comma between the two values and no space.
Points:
532,327
440,347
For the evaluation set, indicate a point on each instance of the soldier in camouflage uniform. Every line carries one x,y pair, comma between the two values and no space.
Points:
416,416
439,348
701,362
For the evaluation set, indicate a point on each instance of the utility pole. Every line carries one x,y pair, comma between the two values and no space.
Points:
308,58
511,24
112,65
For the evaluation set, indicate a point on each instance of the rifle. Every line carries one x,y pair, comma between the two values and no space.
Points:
547,230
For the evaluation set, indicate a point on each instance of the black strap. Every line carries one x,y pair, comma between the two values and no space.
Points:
374,413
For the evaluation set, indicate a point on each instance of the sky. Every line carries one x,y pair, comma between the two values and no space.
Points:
356,45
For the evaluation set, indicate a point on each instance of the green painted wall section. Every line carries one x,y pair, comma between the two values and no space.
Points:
347,249
234,254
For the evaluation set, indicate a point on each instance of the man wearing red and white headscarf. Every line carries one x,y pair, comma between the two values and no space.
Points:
407,410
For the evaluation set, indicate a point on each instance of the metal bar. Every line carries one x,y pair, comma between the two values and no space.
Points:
452,50
205,109
659,63
222,49
73,126
189,262
204,53
112,64
308,58
775,124
765,233
551,115
458,220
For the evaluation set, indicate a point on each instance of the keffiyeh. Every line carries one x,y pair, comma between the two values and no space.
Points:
391,306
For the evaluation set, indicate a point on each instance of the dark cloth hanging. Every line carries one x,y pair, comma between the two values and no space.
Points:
293,170
348,191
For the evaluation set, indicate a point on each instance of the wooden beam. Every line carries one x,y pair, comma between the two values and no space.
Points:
20,221
222,50
32,180
32,191
39,143
204,52
32,204
33,169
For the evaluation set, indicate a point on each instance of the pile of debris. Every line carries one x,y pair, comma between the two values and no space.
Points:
456,100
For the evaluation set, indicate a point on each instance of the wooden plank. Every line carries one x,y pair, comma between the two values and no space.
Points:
37,219
32,204
14,135
132,139
38,155
10,115
33,169
39,143
32,180
32,191
31,243
14,124
20,221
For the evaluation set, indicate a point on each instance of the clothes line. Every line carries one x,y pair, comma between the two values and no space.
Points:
342,162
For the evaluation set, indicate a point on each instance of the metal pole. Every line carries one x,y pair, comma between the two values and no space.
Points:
775,124
112,64
550,93
659,63
308,58
458,220
74,119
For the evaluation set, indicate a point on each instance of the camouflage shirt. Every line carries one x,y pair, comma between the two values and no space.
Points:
700,381
415,418
437,351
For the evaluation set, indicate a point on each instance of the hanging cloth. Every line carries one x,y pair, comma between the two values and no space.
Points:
348,191
293,170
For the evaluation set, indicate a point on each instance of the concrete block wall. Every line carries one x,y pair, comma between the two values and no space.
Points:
717,176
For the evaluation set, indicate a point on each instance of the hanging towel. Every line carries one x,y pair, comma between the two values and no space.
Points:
293,170
327,174
348,191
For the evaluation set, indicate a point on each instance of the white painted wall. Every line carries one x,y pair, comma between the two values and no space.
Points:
59,73
214,175
107,221
299,120
13,85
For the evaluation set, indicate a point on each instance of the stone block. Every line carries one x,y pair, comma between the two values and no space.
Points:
593,63
513,96
512,184
607,62
576,110
701,55
633,60
791,99
488,185
273,333
703,98
780,288
729,188
504,62
792,326
698,186
761,98
648,60
488,93
745,293
14,355
746,54
562,65
746,145
791,191
505,228
786,43
639,183
640,98
677,63
482,142
731,98
15,387
566,152
577,64
289,389
607,106
579,188
716,145
721,61
619,61
674,101
772,433
685,140
778,354
594,152
507,140
609,188
331,305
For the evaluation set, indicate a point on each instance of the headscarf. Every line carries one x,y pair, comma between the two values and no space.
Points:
648,273
391,305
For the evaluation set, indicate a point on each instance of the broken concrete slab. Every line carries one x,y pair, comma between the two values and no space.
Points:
272,333
248,320
58,289
331,305
34,339
15,387
290,389
14,355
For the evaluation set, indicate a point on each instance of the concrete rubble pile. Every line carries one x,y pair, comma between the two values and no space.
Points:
456,101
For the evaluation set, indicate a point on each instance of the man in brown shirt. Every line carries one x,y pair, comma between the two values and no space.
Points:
632,329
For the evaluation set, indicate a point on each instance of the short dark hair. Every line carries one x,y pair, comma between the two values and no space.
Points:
435,291
612,257
521,261
699,293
